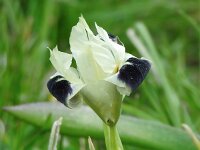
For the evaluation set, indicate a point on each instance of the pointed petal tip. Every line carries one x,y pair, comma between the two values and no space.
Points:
81,17
82,20
48,48
52,50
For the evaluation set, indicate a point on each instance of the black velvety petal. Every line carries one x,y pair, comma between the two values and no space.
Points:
59,88
142,65
134,73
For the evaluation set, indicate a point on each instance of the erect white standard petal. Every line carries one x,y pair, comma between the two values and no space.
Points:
64,91
81,40
88,67
117,50
61,62
80,34
104,58
102,33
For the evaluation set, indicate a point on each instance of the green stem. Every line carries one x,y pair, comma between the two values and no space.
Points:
112,139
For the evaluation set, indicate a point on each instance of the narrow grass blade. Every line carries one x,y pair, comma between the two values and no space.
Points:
91,145
192,135
55,134
146,47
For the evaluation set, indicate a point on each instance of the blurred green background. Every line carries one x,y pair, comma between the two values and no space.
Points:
27,27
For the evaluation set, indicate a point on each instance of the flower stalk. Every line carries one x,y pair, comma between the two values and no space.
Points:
112,138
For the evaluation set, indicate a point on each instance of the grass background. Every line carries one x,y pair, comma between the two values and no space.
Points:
28,27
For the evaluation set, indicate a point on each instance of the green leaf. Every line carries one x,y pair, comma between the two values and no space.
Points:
83,121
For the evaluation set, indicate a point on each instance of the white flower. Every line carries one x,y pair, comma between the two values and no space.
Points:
105,72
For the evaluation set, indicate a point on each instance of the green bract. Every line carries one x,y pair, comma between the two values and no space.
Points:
104,74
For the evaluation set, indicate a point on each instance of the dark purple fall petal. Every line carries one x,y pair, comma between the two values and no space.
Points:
59,88
135,72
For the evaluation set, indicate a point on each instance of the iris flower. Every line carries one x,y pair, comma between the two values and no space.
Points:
105,73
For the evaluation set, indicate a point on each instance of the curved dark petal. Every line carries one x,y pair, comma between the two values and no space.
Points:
134,73
142,64
59,88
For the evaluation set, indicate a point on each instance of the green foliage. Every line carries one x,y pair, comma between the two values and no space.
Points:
83,121
167,29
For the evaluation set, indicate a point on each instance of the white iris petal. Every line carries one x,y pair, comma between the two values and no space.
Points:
83,50
97,57
104,58
102,33
127,56
124,90
74,99
61,62
121,86
102,75
89,69
117,49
